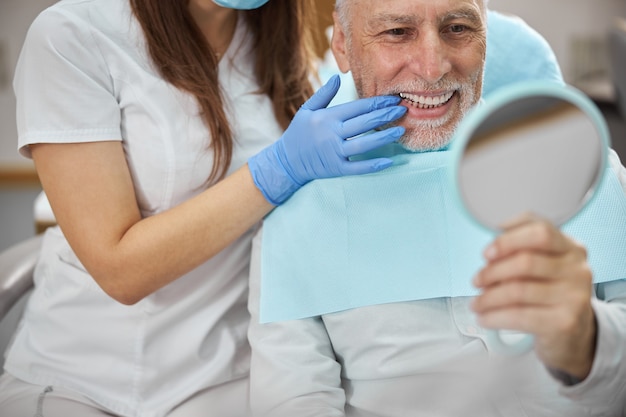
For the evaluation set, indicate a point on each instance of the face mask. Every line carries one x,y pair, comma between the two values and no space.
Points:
241,4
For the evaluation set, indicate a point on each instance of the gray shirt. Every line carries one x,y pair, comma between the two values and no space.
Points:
424,358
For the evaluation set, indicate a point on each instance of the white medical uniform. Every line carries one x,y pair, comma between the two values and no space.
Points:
84,75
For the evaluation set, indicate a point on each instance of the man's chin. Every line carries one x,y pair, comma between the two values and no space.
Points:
424,143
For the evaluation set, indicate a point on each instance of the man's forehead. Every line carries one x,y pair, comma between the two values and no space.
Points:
385,3
417,9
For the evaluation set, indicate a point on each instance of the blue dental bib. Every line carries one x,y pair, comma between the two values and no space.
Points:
400,235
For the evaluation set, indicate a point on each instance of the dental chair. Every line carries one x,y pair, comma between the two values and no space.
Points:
17,264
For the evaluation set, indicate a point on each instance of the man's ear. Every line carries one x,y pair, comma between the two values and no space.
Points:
338,45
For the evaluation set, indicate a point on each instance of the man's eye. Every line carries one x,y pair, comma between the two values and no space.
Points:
457,28
396,32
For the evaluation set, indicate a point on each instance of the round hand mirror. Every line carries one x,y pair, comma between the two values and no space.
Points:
531,148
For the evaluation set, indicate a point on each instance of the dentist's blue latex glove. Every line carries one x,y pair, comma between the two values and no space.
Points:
315,144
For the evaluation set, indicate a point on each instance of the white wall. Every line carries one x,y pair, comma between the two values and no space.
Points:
15,18
562,21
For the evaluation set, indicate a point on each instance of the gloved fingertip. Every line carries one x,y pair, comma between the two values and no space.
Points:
381,163
324,95
396,131
385,101
396,112
331,86
402,109
394,99
391,134
335,80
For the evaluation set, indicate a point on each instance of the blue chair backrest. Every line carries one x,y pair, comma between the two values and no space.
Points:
516,52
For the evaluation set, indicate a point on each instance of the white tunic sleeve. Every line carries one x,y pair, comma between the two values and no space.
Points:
293,370
73,99
603,392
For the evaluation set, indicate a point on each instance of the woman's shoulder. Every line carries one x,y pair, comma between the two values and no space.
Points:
78,21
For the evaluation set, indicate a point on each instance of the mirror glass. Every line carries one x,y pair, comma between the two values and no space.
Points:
537,152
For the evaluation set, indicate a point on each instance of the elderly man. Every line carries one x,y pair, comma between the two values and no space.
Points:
429,356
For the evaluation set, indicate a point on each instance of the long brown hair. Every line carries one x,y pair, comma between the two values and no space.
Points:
284,45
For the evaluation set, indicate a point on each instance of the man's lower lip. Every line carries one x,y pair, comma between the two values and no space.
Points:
429,113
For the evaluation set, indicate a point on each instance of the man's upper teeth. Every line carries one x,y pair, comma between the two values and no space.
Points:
428,100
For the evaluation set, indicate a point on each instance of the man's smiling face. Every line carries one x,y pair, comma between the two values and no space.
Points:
430,52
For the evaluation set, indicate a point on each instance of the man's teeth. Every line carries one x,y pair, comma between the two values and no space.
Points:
427,102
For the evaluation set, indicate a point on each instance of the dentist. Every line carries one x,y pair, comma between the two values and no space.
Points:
162,133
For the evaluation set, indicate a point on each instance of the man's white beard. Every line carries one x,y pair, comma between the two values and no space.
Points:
429,134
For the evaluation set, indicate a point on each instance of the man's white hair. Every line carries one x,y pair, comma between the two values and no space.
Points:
341,7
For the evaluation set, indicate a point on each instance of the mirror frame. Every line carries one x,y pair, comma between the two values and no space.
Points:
506,95
472,121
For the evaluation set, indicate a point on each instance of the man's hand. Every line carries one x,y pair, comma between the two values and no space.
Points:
538,281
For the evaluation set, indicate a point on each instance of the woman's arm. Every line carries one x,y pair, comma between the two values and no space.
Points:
93,199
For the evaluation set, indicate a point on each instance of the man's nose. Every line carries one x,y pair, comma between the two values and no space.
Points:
429,59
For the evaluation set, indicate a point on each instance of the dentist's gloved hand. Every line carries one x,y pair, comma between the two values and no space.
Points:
315,144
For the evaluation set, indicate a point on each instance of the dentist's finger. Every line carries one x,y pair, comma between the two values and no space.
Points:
366,122
322,97
372,141
346,111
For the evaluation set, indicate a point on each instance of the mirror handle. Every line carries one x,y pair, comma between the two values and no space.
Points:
520,347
